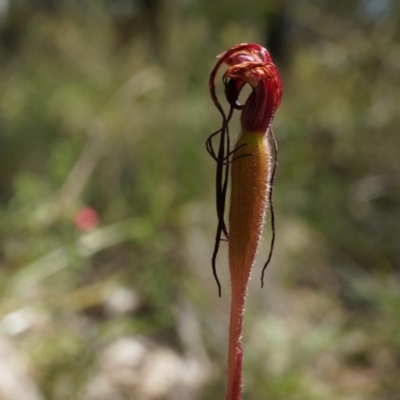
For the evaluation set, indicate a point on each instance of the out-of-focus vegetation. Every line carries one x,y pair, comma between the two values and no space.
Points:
104,106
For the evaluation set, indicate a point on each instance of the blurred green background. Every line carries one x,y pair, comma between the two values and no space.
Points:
107,215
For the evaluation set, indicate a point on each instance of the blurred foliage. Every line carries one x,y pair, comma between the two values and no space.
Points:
105,104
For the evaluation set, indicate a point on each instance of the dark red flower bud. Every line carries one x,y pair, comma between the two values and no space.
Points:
259,109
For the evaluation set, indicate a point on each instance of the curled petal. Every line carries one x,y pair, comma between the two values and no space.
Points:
250,64
260,107
236,55
245,52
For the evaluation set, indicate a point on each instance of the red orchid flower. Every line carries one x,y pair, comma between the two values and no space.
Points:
251,179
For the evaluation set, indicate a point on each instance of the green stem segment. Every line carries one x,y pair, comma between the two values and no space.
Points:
249,192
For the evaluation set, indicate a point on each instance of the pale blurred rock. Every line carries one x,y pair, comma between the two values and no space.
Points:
122,301
19,321
15,382
137,369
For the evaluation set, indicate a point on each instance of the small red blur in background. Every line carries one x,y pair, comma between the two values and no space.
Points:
86,218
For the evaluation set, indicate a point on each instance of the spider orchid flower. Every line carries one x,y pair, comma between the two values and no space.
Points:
251,178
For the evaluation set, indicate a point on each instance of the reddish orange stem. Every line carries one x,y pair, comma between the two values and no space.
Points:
249,189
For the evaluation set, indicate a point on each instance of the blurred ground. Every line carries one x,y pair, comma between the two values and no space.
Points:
107,211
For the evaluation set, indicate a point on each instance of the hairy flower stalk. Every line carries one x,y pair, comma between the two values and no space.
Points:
251,178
